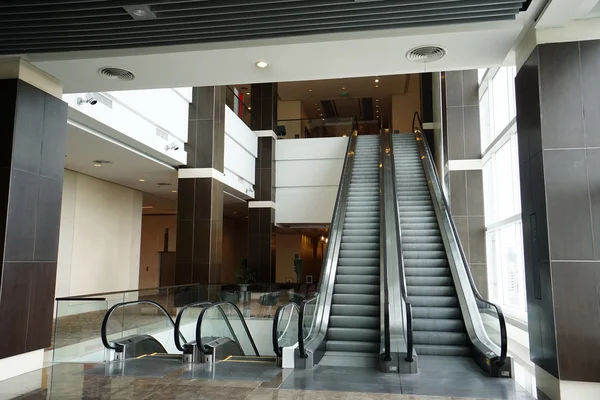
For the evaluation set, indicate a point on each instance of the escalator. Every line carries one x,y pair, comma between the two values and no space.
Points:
214,331
342,325
450,318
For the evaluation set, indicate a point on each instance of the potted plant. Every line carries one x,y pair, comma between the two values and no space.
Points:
297,266
245,276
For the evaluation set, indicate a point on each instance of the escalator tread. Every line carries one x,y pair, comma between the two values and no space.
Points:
438,324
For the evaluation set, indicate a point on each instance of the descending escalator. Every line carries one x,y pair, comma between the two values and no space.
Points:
437,324
215,332
353,336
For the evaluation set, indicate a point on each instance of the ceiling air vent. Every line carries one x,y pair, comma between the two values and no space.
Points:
425,54
116,74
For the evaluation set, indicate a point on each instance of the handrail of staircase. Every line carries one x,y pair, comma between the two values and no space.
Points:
178,343
400,256
327,279
275,332
111,310
219,307
428,158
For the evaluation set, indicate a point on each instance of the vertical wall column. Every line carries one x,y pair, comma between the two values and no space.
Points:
33,126
465,177
200,193
558,98
261,212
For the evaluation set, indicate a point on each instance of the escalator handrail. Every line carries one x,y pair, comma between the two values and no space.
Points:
275,336
328,271
110,311
428,157
178,344
398,235
219,307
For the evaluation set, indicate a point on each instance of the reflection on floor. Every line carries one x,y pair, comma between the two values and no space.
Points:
155,379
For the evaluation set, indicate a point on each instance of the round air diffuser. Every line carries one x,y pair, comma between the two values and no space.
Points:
116,74
425,54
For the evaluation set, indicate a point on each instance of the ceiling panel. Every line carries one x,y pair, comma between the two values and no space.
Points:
39,26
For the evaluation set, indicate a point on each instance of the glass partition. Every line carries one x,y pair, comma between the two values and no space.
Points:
314,128
224,320
285,327
237,105
78,319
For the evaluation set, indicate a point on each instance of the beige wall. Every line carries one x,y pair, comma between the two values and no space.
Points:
100,232
235,247
153,235
405,105
289,244
291,110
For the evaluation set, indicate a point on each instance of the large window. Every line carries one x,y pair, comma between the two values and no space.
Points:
504,235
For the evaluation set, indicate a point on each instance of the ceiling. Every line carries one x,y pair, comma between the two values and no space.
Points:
378,48
38,26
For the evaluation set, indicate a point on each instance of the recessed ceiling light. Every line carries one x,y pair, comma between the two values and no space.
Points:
318,109
376,80
142,180
310,90
323,119
376,85
376,99
262,64
343,88
173,191
377,106
247,93
139,12
320,115
316,104
97,165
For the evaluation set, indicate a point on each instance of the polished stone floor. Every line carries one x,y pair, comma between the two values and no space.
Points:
149,378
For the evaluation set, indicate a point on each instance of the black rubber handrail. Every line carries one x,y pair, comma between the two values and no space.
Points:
403,289
242,320
178,344
125,304
337,210
418,130
301,348
387,341
275,331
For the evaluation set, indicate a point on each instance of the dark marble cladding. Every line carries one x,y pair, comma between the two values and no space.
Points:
32,136
264,106
557,98
265,170
462,125
199,231
261,243
206,128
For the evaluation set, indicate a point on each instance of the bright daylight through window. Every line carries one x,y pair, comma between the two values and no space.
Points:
504,235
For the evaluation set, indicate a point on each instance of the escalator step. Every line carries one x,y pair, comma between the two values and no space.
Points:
437,338
354,309
429,281
343,288
354,321
363,299
426,271
356,334
433,301
352,346
437,312
358,280
441,350
415,291
445,325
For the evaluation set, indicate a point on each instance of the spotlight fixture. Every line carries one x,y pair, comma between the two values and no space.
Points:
377,106
376,99
262,64
343,88
320,115
142,180
376,80
247,93
310,90
376,86
322,238
173,191
138,12
326,240
249,108
97,165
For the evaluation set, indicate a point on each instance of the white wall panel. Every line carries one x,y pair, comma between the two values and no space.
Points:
311,149
237,129
309,172
131,124
241,150
305,205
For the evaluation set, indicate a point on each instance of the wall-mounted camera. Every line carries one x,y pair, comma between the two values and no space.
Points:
89,99
172,146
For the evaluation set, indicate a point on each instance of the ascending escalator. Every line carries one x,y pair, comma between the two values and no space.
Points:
450,317
354,326
341,325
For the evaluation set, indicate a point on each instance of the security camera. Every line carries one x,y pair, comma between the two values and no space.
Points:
89,99
172,146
